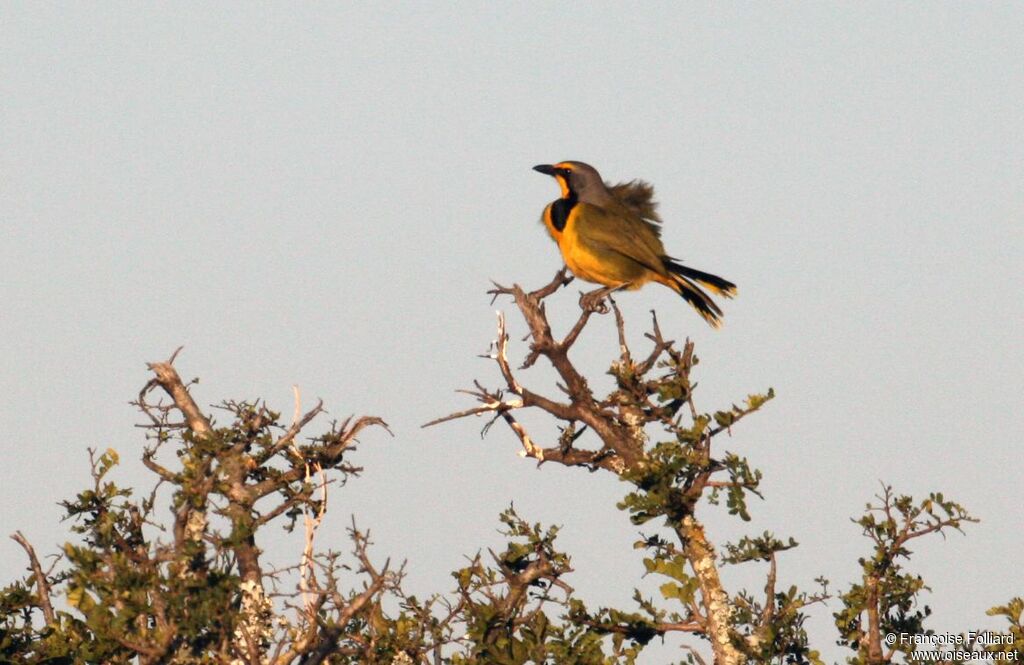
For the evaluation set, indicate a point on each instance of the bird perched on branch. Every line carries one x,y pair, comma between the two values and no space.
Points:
611,235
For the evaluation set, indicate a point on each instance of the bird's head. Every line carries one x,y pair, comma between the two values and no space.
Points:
576,179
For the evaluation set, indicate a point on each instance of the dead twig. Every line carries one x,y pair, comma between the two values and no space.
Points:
42,586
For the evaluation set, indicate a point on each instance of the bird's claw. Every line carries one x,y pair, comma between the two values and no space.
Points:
595,301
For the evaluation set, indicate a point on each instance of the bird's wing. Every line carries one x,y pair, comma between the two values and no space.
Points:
637,197
624,234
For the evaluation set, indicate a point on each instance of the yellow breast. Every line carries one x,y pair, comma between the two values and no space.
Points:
578,256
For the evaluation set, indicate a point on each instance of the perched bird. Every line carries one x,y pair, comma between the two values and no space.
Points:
610,235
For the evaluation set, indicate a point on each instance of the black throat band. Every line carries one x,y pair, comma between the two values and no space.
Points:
560,210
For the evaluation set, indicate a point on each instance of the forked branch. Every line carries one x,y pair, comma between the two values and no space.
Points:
622,448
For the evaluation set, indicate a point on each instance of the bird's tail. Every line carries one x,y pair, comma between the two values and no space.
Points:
713,283
682,281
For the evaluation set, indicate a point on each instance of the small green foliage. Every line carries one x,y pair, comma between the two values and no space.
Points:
773,631
20,640
1014,613
760,548
506,608
676,471
742,479
726,419
671,468
137,591
888,596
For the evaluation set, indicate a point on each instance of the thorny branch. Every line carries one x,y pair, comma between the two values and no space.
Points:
619,421
327,613
617,425
227,471
623,443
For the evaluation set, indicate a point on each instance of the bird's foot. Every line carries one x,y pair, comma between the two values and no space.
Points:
594,301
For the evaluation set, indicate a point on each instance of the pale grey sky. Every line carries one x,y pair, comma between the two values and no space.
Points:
318,194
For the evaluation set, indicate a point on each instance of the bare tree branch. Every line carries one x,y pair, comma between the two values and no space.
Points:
42,586
168,379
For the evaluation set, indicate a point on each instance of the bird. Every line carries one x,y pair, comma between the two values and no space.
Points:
611,235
